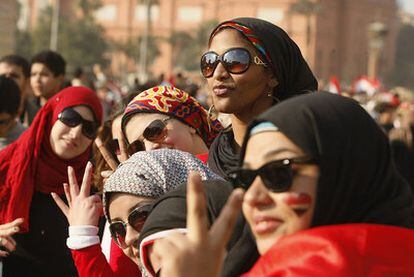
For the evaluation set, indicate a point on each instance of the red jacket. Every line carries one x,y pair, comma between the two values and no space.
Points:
341,250
91,262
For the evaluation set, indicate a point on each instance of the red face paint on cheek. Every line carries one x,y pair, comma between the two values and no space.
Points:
299,202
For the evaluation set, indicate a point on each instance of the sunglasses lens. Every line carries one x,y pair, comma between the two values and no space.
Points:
245,177
114,146
89,129
135,147
137,218
70,118
277,178
118,232
208,64
156,131
236,61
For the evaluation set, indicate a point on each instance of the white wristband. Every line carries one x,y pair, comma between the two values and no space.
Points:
82,236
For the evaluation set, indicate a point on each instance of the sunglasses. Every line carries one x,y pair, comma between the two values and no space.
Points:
234,60
6,121
72,118
276,175
136,220
156,131
113,146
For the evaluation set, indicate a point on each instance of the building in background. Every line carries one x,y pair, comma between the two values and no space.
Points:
333,38
9,12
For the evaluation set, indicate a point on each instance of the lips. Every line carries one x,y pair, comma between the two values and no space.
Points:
264,224
71,143
222,90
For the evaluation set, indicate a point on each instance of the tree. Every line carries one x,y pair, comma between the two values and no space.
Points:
307,8
190,44
81,40
403,73
130,48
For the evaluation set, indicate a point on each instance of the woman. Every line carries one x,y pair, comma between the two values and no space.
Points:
250,65
323,197
34,166
128,193
166,117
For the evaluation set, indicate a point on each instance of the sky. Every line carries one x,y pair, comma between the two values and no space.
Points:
407,5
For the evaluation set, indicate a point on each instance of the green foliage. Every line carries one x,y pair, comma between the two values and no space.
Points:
131,48
188,45
80,40
403,73
305,7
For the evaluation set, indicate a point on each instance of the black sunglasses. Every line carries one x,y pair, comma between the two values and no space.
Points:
234,60
156,131
276,175
136,220
72,118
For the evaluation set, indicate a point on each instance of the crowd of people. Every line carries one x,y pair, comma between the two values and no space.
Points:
264,176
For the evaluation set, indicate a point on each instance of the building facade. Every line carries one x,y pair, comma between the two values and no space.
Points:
8,20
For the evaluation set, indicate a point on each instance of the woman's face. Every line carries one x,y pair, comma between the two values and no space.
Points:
120,206
273,215
69,142
179,136
239,93
115,130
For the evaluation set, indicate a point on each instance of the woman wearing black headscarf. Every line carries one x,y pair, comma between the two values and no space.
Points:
250,65
323,197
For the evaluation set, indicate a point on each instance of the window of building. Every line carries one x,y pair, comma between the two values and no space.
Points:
141,13
107,13
274,15
190,14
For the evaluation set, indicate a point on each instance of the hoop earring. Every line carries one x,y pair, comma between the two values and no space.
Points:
275,99
210,112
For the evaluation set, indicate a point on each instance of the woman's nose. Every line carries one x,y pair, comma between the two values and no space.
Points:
220,73
76,131
131,237
257,194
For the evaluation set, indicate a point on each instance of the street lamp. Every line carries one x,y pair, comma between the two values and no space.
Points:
377,32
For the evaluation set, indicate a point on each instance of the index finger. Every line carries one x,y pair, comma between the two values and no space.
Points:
122,147
196,209
113,164
87,180
14,223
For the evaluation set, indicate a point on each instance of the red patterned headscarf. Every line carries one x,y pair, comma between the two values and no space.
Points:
178,104
29,164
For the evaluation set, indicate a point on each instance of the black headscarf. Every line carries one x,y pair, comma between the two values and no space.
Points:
288,66
170,212
358,181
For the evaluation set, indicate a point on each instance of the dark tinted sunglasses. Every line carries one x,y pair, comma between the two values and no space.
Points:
136,220
72,118
156,131
276,175
234,60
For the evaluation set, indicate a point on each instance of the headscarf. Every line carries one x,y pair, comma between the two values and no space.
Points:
178,104
287,64
279,51
30,164
154,173
358,181
170,212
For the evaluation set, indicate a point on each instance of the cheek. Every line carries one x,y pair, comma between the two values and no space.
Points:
299,202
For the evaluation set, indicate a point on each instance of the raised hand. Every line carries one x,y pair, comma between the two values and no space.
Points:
82,208
201,251
6,232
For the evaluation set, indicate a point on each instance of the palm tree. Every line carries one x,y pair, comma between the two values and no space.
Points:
307,8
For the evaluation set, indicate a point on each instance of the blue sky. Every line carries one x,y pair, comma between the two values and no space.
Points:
407,5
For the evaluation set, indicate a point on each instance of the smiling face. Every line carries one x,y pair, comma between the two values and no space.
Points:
239,93
179,135
69,142
273,215
120,206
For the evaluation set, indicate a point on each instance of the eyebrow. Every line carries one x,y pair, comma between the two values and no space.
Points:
271,153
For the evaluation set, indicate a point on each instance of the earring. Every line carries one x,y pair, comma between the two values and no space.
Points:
210,113
270,94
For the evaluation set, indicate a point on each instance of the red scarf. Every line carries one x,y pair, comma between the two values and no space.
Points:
30,164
